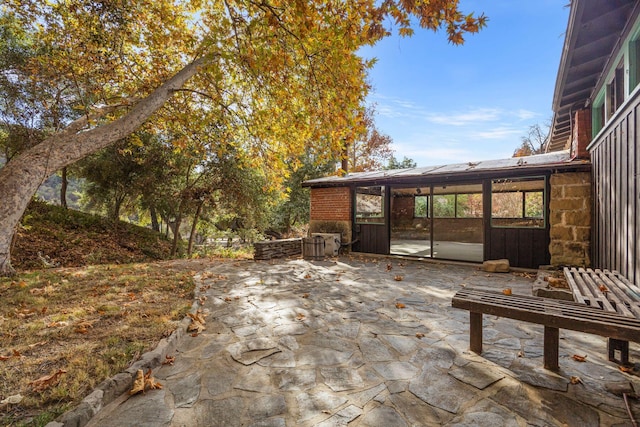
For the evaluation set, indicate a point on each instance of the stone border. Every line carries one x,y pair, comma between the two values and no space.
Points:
111,388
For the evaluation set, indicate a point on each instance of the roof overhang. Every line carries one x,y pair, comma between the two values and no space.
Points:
461,172
594,33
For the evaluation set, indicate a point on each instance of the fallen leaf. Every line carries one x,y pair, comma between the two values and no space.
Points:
43,383
389,267
307,276
12,400
507,291
626,369
419,335
4,358
169,360
575,380
138,383
197,323
579,358
305,295
150,382
16,353
603,289
398,278
400,305
227,299
521,353
300,316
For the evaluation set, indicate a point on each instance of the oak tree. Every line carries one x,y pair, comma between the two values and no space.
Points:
276,75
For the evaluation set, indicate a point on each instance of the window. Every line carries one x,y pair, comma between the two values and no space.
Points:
469,205
597,115
615,91
370,205
444,205
421,207
518,203
634,63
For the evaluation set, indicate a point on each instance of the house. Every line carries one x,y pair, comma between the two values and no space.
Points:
531,210
579,204
596,114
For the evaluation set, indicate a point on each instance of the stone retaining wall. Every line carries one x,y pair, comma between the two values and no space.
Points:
570,219
281,248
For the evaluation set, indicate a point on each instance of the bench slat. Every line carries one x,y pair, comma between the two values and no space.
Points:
551,313
617,295
598,295
578,296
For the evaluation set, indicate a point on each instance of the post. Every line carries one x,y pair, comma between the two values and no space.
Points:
475,332
551,344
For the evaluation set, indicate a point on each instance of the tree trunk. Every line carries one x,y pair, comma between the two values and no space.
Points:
176,234
63,188
155,226
196,216
21,177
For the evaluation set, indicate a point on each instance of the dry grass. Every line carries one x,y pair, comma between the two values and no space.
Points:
90,322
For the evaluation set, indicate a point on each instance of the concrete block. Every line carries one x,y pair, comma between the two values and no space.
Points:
496,266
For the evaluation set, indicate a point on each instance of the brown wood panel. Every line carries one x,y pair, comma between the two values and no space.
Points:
523,247
372,238
616,218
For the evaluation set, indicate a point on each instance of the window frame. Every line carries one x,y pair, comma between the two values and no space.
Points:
523,204
378,218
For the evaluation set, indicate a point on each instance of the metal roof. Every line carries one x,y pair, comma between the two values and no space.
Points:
593,33
540,162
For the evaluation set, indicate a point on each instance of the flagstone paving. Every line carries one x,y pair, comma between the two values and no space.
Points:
367,342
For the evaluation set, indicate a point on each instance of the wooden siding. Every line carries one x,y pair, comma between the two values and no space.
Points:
523,247
615,155
372,239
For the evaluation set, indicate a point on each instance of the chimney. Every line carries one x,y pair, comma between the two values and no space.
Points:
581,136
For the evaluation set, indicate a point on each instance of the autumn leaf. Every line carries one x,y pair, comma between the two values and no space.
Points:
4,358
169,360
43,383
307,276
300,316
197,323
579,358
389,267
575,380
603,289
398,278
305,295
626,369
419,335
150,382
138,383
507,291
12,400
400,305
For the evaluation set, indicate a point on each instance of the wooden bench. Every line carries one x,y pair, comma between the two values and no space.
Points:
551,313
608,291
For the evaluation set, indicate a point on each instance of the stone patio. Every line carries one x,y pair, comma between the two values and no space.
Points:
367,341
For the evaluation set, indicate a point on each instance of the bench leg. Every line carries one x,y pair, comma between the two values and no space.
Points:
475,332
618,345
551,348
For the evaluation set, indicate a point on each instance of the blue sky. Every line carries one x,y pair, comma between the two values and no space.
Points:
446,104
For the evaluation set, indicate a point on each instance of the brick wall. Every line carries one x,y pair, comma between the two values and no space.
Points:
331,204
581,134
331,211
570,219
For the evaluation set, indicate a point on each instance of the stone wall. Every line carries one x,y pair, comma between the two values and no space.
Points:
331,211
282,248
570,219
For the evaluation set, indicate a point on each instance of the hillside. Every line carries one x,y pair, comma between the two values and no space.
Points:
70,238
